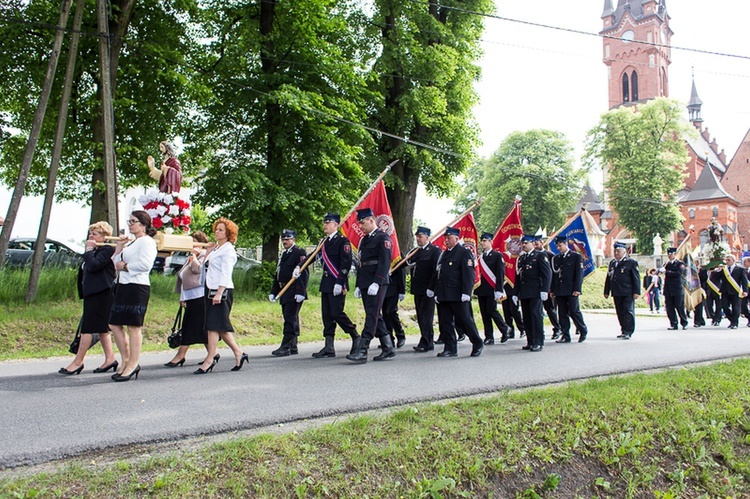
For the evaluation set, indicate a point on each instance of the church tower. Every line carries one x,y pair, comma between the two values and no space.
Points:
636,38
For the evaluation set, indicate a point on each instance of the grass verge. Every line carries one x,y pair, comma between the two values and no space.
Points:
678,433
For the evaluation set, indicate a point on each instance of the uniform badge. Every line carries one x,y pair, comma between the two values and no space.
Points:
470,262
388,244
347,248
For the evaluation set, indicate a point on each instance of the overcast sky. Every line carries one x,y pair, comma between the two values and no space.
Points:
539,77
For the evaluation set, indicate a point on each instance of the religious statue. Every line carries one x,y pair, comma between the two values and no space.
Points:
715,231
717,248
169,175
658,242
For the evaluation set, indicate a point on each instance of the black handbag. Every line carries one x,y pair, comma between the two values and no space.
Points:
212,293
73,348
174,339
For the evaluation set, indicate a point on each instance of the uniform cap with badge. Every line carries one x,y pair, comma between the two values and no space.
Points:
364,213
288,234
423,230
452,231
332,217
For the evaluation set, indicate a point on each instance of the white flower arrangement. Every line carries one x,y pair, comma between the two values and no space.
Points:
167,211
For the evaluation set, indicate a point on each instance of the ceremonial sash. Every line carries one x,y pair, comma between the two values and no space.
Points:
331,267
731,281
488,275
713,287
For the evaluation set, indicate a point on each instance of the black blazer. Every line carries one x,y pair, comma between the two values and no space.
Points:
495,263
740,277
567,273
455,275
290,259
674,271
623,280
338,250
398,281
97,272
423,268
533,275
374,259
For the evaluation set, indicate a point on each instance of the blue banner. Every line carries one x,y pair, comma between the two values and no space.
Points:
578,241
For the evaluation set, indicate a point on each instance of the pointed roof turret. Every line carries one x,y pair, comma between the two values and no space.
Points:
694,106
608,9
706,187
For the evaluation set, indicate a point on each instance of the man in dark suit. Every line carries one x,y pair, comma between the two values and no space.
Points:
452,286
490,290
698,319
396,293
733,289
291,301
512,312
623,282
335,257
533,280
423,270
674,293
567,281
372,284
713,296
746,300
549,304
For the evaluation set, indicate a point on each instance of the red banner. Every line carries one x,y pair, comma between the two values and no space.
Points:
508,241
469,237
378,202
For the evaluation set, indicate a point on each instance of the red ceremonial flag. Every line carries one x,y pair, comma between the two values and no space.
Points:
378,202
508,240
469,237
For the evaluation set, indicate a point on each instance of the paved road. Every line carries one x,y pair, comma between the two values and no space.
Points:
47,416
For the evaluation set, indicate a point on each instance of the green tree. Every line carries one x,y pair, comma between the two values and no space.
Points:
152,92
536,165
423,80
644,155
285,80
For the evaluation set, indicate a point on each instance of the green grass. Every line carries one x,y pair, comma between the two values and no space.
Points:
680,433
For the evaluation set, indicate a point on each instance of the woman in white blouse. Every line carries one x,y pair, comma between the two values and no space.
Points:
133,261
219,294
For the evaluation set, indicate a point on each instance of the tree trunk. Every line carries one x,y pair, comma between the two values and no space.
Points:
270,252
402,204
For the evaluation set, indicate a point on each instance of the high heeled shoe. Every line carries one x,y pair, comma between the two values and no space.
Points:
70,373
208,369
216,359
135,372
242,361
175,364
106,368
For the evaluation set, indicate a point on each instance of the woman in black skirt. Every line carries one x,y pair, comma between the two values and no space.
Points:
190,286
133,260
220,260
95,277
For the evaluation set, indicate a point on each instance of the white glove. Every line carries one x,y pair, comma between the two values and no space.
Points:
401,297
465,297
337,289
430,293
544,296
272,298
515,300
373,289
499,295
357,293
296,272
299,298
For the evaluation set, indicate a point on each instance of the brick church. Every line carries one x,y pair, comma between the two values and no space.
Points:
638,72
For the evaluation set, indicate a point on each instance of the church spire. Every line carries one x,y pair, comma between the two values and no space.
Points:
608,10
694,107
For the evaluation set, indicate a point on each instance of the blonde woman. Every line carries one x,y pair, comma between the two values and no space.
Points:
95,278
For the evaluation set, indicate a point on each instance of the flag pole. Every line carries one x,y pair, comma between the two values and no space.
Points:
516,200
312,255
437,234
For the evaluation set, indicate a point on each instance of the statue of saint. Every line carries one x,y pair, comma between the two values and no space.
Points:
169,175
658,242
715,231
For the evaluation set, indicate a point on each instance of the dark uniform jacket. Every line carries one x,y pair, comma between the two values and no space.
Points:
398,281
455,275
567,273
374,259
423,271
97,272
291,258
740,277
338,251
624,279
703,276
533,275
673,272
495,263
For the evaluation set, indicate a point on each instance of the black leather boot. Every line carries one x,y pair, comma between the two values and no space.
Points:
355,343
285,349
327,351
293,348
387,346
360,356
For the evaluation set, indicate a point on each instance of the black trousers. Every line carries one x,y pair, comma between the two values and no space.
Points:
290,311
513,314
731,306
390,316
625,308
490,315
452,314
746,308
374,323
531,308
675,306
425,317
569,308
549,308
332,312
713,306
698,319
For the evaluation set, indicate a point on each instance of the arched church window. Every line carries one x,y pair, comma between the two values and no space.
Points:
691,213
625,88
634,86
715,211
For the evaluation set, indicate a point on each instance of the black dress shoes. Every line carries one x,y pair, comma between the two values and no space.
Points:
672,328
536,348
582,337
477,351
439,341
462,337
733,326
419,349
400,342
511,333
526,347
446,353
684,327
489,341
625,336
555,335
563,340
621,335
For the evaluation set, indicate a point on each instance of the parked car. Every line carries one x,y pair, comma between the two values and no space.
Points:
21,252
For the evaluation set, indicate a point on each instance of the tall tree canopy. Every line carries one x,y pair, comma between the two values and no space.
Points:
644,155
152,93
538,166
423,79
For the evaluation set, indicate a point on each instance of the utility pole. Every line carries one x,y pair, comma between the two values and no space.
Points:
36,127
107,114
